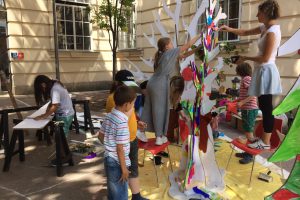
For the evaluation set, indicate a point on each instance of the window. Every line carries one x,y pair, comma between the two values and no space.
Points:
127,39
2,19
76,1
73,26
232,9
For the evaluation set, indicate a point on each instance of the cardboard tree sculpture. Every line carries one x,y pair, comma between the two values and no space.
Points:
290,147
199,175
201,172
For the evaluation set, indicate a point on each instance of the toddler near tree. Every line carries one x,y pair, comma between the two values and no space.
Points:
248,106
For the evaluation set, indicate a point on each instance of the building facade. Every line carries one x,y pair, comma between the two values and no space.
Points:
84,52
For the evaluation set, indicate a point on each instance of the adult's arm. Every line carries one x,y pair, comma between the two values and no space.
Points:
269,46
240,32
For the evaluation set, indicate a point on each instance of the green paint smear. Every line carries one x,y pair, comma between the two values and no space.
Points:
290,102
290,147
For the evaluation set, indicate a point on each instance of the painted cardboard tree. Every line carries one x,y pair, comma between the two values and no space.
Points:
290,147
199,169
201,175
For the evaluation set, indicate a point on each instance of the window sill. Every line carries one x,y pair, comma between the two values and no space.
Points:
74,53
126,53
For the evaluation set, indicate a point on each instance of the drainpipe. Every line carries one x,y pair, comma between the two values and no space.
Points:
55,41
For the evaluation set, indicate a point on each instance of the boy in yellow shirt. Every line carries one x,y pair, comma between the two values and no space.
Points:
125,77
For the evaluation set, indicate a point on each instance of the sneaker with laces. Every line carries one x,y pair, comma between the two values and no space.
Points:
141,136
158,141
259,145
164,139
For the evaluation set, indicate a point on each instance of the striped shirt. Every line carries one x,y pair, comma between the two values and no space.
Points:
252,103
115,129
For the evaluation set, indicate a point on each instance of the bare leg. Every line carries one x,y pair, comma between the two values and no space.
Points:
266,137
249,136
134,185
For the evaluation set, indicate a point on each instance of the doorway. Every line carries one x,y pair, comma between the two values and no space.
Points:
4,60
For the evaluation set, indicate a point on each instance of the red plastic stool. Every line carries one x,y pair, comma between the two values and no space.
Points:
154,150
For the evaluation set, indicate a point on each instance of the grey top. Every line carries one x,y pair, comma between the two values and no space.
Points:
156,108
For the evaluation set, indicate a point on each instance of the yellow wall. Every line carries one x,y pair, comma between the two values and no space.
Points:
289,66
30,30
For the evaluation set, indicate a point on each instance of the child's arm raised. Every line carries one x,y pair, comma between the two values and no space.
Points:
121,157
186,46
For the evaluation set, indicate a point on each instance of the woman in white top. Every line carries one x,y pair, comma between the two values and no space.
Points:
265,79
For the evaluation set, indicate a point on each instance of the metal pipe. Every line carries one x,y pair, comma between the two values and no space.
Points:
55,41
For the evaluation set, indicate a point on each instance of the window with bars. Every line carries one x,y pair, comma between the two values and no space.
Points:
73,26
127,39
232,9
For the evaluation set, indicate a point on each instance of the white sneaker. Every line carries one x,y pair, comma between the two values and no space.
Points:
158,141
259,145
164,139
141,136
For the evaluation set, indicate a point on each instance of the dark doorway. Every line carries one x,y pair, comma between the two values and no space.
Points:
4,61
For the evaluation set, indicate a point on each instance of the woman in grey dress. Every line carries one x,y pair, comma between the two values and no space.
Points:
157,102
265,78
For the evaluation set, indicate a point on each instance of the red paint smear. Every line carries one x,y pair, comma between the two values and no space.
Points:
187,74
192,172
284,194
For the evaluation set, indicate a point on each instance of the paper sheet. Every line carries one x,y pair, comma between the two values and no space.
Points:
291,45
40,111
32,124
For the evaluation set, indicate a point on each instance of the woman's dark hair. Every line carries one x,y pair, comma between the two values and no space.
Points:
43,94
270,8
244,69
176,89
161,44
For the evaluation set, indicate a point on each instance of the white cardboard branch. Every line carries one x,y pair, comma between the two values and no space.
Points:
159,25
137,73
148,62
152,39
192,29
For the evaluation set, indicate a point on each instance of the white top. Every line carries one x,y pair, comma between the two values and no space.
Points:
59,95
261,42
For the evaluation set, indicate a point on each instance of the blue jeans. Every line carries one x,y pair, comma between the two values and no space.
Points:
116,190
